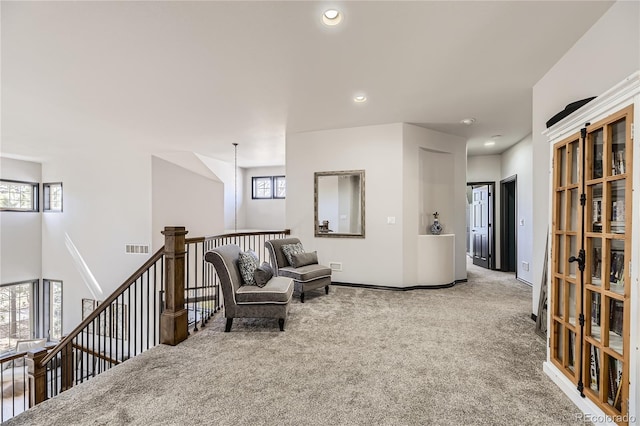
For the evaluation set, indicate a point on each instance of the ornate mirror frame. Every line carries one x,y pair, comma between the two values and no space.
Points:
323,229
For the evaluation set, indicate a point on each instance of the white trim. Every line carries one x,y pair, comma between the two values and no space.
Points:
590,411
610,101
634,315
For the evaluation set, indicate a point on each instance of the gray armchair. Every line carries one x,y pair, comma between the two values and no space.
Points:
247,301
306,278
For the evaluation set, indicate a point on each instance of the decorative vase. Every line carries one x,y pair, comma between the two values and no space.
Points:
436,228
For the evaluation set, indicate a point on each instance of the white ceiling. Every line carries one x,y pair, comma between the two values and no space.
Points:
197,76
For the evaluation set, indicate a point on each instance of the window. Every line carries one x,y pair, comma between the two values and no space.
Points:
52,197
267,187
52,307
29,311
280,187
16,313
18,196
261,187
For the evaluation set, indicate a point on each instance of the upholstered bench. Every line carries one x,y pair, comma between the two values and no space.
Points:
306,277
249,301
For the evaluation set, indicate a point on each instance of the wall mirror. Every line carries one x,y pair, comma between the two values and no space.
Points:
339,204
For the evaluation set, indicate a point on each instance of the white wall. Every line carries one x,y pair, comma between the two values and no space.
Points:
436,180
487,168
264,214
378,258
227,174
20,232
181,197
604,56
418,140
517,161
107,204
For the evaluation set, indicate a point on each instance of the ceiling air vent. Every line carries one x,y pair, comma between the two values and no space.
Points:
137,248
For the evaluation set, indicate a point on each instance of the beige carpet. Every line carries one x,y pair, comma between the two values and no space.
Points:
466,355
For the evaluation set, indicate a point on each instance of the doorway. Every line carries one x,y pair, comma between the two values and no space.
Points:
508,225
480,225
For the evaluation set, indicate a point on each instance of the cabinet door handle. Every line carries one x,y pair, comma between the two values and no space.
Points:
579,259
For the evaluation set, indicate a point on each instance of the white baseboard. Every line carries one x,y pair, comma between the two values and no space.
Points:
591,413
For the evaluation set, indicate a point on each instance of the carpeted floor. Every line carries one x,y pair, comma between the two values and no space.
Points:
466,355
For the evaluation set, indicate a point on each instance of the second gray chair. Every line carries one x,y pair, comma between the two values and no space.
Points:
305,278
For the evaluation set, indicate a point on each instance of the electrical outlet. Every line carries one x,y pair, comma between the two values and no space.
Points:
525,266
335,266
391,220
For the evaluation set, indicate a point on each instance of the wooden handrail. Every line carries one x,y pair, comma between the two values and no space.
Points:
194,240
245,234
103,306
10,357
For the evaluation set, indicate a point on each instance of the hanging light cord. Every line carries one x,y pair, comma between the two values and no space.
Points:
235,186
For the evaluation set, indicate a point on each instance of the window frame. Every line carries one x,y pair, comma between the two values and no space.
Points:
34,311
47,308
274,187
36,197
254,179
273,182
46,197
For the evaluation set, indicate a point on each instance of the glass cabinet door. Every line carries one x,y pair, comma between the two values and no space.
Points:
607,250
567,220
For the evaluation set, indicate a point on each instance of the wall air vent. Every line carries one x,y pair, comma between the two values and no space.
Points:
136,248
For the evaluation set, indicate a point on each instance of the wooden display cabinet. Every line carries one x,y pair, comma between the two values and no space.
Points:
590,291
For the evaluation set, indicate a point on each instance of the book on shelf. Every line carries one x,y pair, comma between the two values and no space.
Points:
617,227
597,210
617,211
616,274
597,162
616,316
595,309
594,369
615,377
596,264
571,360
617,162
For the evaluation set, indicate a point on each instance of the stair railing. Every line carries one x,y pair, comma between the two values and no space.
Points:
171,293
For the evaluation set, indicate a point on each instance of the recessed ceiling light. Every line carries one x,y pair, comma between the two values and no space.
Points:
331,17
468,121
360,98
489,143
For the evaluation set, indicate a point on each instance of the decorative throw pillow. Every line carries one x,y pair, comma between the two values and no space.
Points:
263,274
290,249
247,264
303,259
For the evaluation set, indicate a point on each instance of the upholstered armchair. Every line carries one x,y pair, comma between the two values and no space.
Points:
249,301
307,277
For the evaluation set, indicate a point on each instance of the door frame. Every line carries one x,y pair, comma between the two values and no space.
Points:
492,208
503,222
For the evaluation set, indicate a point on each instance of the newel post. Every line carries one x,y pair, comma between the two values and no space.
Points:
173,320
37,376
66,367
